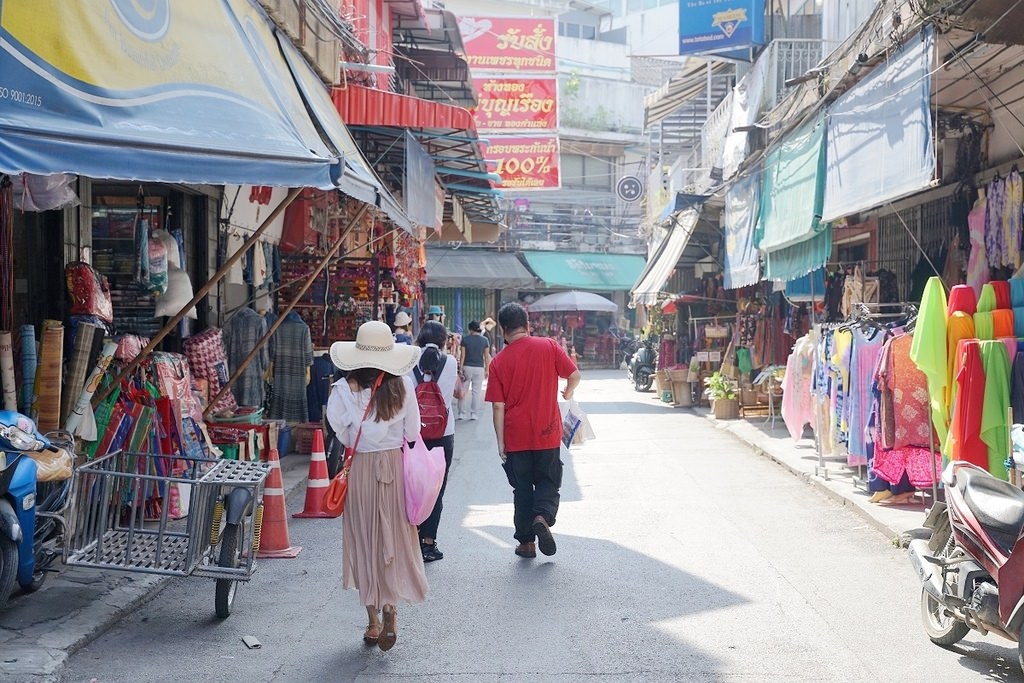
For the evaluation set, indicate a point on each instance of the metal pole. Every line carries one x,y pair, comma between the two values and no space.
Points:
310,279
203,291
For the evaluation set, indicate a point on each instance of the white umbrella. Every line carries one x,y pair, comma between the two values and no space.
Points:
573,301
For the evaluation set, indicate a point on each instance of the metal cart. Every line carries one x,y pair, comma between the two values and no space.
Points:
113,522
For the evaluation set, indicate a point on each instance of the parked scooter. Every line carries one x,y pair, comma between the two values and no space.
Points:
641,366
29,523
972,568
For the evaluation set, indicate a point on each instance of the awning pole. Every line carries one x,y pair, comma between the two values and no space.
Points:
310,279
203,291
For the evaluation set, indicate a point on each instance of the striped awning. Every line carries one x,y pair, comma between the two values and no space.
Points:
688,84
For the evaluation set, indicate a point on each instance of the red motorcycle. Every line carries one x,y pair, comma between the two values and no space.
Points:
972,567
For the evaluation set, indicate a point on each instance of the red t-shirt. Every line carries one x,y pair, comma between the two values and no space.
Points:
524,376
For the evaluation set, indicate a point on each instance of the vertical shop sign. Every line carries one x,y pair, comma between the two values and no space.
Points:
526,162
525,44
716,26
516,104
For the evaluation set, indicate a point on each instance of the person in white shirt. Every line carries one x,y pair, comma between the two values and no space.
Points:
374,409
435,364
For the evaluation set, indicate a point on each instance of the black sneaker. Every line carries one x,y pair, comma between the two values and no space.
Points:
545,541
430,552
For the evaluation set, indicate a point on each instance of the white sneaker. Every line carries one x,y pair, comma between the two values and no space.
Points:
462,416
473,416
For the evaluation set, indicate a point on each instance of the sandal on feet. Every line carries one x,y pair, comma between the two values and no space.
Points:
388,631
526,550
371,634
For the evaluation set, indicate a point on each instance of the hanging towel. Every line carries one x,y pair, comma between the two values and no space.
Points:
1017,291
1018,322
963,298
1002,323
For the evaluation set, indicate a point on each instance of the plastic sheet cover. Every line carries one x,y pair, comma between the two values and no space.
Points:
789,229
740,266
879,134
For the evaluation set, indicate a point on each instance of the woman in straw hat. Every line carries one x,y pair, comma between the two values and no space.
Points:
380,549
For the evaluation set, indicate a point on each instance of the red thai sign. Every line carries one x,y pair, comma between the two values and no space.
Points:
509,43
526,162
516,104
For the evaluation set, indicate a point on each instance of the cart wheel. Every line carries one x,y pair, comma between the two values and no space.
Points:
230,550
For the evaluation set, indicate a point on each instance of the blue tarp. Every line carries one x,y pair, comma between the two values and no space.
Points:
879,143
190,91
740,266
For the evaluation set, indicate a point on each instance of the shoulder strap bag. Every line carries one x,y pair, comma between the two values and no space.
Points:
337,490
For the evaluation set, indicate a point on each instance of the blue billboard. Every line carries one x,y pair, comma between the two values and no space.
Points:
720,26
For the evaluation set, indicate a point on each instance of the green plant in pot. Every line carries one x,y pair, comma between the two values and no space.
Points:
718,387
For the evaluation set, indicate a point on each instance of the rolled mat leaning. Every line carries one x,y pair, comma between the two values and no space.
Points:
47,398
78,367
28,368
91,385
7,371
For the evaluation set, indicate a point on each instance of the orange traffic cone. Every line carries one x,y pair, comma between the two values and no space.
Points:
316,487
274,541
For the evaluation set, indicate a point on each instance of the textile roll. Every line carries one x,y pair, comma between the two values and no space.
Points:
1002,323
1018,321
1002,290
1017,291
46,402
7,371
984,326
987,300
962,298
28,368
91,385
78,366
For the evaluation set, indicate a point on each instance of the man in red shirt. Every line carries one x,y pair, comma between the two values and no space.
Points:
523,389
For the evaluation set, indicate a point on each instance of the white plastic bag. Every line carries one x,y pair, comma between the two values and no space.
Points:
575,424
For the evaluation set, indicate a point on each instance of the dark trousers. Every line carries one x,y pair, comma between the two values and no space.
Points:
429,527
535,477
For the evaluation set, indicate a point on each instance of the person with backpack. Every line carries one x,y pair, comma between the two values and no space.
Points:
434,377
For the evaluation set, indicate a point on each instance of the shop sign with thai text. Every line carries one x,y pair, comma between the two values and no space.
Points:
516,104
509,43
526,162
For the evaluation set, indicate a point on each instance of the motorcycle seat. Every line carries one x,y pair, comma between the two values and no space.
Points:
998,505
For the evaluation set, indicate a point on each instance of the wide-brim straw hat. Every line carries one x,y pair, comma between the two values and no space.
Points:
403,319
375,347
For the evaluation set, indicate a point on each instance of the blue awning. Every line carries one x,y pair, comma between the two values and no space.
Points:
588,272
879,144
193,91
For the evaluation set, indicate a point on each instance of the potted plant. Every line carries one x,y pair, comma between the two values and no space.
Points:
722,392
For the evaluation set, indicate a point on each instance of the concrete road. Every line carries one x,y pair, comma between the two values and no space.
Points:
681,556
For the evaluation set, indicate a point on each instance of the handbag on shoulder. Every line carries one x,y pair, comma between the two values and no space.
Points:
337,490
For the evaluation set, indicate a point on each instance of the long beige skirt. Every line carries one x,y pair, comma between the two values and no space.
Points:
380,550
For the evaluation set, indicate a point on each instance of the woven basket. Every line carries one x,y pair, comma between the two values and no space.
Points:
726,409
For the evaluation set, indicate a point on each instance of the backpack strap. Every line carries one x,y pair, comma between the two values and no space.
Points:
418,374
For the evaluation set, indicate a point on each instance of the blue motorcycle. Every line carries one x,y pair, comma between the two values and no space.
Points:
30,521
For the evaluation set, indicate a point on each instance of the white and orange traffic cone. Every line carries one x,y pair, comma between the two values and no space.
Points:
318,482
274,541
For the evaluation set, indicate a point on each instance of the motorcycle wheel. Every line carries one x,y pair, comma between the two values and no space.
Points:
644,381
942,627
8,568
230,552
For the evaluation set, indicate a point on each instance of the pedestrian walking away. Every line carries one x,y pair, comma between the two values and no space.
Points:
435,365
402,322
376,406
474,362
523,391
